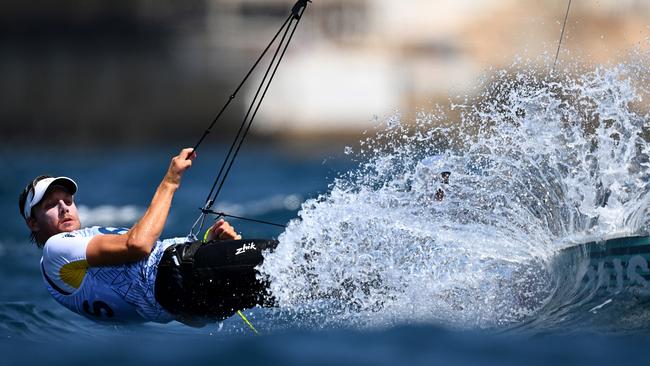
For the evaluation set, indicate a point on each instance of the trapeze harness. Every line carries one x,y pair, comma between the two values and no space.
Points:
177,281
212,280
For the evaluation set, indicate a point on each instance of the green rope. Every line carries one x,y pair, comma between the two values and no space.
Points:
241,315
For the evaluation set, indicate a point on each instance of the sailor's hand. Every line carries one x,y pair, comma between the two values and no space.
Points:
179,165
222,230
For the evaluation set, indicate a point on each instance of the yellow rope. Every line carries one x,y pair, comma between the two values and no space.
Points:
247,322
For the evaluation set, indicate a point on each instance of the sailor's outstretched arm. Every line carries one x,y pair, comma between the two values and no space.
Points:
138,242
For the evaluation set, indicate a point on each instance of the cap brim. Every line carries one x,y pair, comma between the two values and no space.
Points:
66,183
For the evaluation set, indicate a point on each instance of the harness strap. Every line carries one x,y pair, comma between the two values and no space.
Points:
188,252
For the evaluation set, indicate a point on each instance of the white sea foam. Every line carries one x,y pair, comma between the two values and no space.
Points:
536,164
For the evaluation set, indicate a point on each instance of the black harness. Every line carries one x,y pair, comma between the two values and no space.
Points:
212,280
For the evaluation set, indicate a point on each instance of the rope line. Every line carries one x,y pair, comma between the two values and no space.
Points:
223,214
234,94
292,20
259,103
559,44
250,325
235,146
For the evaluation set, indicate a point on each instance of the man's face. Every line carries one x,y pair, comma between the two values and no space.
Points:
56,213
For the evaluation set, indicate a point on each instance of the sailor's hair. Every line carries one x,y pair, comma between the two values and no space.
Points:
21,204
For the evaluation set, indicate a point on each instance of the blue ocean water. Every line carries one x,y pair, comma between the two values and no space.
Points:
373,269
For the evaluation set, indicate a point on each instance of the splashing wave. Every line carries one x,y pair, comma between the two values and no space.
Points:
536,165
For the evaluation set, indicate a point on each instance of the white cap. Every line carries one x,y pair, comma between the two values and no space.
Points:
37,192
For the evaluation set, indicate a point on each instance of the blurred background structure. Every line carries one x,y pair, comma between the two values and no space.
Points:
135,72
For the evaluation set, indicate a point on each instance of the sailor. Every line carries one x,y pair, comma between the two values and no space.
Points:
129,275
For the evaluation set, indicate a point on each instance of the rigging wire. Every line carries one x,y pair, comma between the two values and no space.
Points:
286,29
559,44
259,103
234,94
239,138
223,214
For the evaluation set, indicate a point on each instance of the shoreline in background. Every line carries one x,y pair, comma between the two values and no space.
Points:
142,73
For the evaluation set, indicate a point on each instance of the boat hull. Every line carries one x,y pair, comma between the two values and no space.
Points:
618,264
